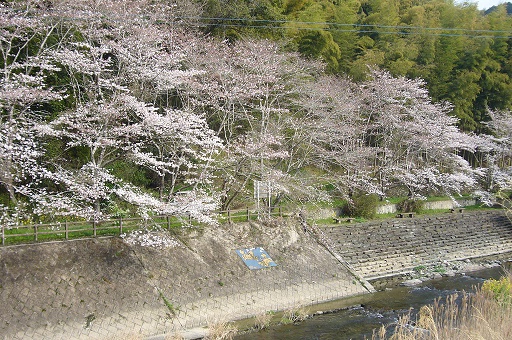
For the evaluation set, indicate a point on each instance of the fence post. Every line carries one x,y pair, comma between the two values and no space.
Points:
3,234
120,225
248,215
229,216
94,228
35,232
66,229
168,222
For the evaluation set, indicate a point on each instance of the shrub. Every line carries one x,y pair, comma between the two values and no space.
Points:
294,315
262,321
500,290
221,331
362,206
410,206
482,315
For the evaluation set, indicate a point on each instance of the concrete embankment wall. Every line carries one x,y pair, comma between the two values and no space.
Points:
427,205
384,248
107,289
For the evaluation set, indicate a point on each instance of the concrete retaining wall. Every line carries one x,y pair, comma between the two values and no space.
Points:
437,205
386,209
107,289
390,247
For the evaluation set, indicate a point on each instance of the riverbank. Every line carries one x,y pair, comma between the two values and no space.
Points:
357,317
108,289
377,249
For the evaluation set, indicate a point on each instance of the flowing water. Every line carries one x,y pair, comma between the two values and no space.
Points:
369,312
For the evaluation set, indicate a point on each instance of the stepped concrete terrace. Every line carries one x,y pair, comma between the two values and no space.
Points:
385,248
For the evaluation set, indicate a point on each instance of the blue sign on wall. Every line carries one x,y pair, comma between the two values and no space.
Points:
255,258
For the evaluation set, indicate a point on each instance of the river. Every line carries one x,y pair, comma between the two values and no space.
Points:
360,315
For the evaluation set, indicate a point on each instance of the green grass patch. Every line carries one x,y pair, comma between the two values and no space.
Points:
439,269
170,306
76,230
419,268
325,221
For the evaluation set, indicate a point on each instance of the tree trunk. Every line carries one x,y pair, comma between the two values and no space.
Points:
161,188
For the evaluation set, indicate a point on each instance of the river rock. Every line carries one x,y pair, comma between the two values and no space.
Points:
412,282
436,276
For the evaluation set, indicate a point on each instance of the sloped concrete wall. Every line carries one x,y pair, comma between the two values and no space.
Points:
394,246
107,289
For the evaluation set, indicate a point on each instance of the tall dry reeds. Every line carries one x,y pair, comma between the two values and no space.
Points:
484,315
295,314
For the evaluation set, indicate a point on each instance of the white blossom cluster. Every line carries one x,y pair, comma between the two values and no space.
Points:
154,238
203,120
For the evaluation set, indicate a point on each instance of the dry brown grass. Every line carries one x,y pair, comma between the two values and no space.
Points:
135,336
126,336
296,314
221,331
262,321
479,316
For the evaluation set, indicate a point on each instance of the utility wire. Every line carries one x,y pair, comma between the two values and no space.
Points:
341,25
354,28
360,31
326,26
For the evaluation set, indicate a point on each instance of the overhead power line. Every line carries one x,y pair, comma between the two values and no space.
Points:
319,25
340,27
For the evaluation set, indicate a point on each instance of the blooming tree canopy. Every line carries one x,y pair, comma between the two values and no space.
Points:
106,103
109,112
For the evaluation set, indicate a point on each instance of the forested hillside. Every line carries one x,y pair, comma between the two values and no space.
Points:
117,108
462,53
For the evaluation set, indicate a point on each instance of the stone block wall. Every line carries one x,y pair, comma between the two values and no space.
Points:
390,247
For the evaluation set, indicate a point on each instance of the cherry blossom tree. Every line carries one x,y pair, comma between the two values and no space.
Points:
385,137
248,91
175,141
415,142
111,113
497,174
25,61
333,137
128,81
105,130
175,144
178,143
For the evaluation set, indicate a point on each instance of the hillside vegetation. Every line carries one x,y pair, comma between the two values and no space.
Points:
152,107
462,53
